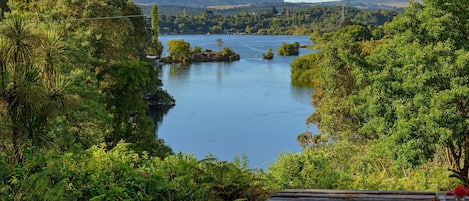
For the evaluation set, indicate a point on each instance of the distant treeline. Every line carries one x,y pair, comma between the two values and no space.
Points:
204,3
272,21
223,9
201,4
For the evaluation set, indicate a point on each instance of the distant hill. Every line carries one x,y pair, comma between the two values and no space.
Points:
380,4
205,3
223,10
367,4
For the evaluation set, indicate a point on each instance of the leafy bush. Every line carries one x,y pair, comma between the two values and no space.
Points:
289,49
338,166
122,174
5,174
305,70
268,55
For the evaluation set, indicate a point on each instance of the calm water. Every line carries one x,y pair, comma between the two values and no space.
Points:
230,109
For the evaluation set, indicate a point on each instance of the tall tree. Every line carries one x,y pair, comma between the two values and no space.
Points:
417,98
219,42
126,85
156,48
331,72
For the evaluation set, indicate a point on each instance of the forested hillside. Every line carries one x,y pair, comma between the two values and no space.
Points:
236,7
271,21
204,3
256,7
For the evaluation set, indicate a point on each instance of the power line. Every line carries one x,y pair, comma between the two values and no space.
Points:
91,18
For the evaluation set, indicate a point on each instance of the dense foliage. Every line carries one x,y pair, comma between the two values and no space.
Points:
287,49
237,6
181,51
346,166
71,79
122,174
74,107
155,47
204,3
74,83
74,112
399,92
3,8
270,21
268,55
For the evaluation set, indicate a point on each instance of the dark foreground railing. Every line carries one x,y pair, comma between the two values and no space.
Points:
344,195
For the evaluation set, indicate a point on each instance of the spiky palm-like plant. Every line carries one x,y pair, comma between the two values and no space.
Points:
31,91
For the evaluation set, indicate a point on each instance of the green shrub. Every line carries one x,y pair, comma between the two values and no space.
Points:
268,55
289,49
122,174
338,166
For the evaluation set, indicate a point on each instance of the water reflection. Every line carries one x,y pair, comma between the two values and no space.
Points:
157,114
244,107
219,72
178,71
301,94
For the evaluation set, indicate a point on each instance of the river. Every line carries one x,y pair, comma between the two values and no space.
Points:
248,107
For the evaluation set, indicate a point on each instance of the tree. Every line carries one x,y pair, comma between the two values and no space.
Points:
3,8
273,11
289,49
89,47
305,70
300,21
228,55
126,85
417,97
179,50
219,43
197,49
110,40
32,96
51,57
156,48
268,55
332,73
207,14
403,97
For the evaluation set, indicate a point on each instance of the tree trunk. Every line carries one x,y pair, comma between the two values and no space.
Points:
17,152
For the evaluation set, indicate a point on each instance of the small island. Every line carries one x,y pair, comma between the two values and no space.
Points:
180,51
226,55
289,49
269,55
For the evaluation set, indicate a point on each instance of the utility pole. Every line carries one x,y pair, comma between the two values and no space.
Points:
343,9
343,12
